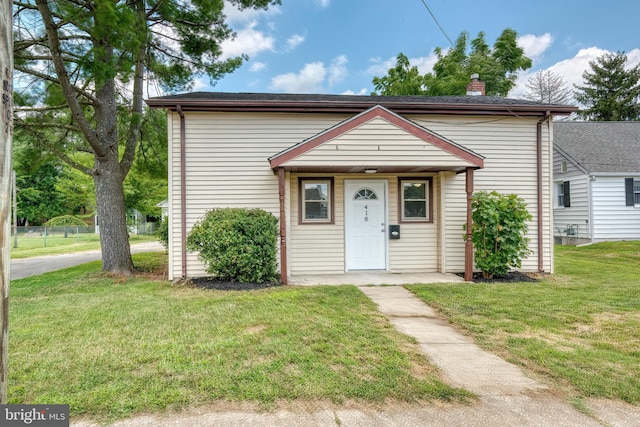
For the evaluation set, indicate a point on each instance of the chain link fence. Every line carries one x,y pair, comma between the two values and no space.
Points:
40,236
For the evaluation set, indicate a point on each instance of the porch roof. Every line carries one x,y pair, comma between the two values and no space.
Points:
377,140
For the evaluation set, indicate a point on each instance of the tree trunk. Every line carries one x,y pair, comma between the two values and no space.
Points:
114,236
109,178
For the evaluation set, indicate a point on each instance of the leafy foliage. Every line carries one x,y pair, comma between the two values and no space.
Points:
497,67
237,244
82,68
499,232
611,92
65,221
162,232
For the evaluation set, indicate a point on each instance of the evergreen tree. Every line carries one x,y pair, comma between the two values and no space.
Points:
86,63
610,91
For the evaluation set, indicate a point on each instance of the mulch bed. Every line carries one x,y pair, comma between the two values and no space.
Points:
222,285
512,276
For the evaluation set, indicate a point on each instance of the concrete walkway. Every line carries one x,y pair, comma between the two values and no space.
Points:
507,397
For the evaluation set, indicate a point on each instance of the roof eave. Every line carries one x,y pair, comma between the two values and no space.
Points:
355,107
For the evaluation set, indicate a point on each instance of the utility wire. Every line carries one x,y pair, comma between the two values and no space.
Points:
436,21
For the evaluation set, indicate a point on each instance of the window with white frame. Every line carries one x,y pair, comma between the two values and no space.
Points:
415,199
316,200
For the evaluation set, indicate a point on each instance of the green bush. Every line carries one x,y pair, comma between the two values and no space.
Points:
237,244
499,232
162,232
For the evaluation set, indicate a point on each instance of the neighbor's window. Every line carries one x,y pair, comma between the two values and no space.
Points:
563,196
315,196
415,199
632,191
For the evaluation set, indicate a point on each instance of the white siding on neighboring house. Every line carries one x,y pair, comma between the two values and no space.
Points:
612,219
576,216
509,147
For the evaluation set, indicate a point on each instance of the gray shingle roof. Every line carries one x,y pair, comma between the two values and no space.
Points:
600,146
353,103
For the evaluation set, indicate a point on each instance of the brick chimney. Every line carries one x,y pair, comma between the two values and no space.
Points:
476,86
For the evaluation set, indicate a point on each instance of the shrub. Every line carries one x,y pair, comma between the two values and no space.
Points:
237,244
162,232
498,232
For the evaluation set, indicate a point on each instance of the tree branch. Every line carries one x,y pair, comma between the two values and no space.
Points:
67,88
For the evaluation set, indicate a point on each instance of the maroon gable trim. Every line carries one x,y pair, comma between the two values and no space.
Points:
378,111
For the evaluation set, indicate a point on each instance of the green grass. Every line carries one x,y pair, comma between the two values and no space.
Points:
579,329
58,244
111,347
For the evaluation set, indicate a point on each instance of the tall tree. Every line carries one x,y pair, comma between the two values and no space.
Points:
610,92
403,79
92,58
548,88
497,66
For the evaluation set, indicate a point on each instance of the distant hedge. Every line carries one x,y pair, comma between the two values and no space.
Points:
237,244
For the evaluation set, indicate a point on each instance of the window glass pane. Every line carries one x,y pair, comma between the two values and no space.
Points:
414,190
365,193
415,209
316,210
316,191
636,192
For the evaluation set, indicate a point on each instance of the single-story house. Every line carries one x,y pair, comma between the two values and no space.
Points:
358,182
596,168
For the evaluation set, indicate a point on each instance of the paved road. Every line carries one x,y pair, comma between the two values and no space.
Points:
26,267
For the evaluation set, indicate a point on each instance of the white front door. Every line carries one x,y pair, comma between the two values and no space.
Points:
365,215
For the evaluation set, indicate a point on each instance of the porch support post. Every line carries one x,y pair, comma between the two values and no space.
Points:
283,227
468,246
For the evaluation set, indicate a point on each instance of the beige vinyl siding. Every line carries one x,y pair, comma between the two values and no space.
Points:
509,147
226,157
319,248
417,248
316,248
227,166
377,143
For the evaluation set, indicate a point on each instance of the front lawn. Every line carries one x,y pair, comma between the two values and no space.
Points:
111,347
580,328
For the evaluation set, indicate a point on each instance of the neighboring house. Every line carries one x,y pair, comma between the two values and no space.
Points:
358,182
596,169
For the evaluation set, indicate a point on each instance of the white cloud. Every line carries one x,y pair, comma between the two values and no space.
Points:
323,3
294,41
338,70
362,91
257,67
535,46
308,80
571,69
248,41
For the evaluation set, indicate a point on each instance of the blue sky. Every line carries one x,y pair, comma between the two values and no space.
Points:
338,46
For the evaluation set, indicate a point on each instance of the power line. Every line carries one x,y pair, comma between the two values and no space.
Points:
436,21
